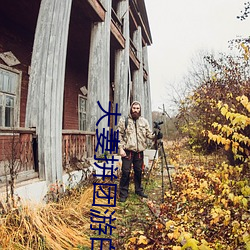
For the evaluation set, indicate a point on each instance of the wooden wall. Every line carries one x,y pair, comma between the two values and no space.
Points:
73,83
19,41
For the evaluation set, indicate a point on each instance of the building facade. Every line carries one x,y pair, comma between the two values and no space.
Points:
57,60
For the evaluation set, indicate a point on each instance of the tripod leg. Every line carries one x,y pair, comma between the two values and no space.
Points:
165,158
149,172
162,179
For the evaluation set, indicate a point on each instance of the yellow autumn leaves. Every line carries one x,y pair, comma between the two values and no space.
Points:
138,239
230,134
246,52
218,202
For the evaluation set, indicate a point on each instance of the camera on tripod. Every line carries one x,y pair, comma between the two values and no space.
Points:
157,125
159,148
158,132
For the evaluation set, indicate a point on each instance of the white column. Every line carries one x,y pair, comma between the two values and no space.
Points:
138,89
147,91
45,96
122,70
99,70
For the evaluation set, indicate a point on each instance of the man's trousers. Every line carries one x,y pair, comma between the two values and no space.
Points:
135,159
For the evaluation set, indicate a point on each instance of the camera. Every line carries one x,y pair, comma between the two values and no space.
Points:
157,125
158,132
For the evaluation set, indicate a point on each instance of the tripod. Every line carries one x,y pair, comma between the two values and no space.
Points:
161,152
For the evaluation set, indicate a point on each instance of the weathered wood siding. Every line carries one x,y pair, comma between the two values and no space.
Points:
72,91
16,39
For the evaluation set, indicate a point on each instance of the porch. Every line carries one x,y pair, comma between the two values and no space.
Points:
19,152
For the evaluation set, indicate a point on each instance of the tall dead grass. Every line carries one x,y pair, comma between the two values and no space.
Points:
61,225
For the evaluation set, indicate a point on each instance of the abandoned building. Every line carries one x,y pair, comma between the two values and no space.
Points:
57,60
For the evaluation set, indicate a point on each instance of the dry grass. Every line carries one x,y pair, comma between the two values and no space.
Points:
62,225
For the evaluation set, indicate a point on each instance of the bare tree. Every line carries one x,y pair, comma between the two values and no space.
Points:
12,167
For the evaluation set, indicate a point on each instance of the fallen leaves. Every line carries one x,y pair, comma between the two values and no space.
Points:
208,208
214,208
139,240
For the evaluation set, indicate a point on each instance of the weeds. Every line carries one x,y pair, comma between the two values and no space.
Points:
61,225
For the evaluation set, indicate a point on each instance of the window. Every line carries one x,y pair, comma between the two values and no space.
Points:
9,97
82,103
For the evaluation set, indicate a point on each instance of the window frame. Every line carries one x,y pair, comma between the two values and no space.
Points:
79,111
17,96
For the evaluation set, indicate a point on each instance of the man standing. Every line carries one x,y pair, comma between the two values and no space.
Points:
133,133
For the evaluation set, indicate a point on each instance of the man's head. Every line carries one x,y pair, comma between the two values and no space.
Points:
135,110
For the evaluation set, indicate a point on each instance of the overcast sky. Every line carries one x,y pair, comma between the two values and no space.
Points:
181,28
